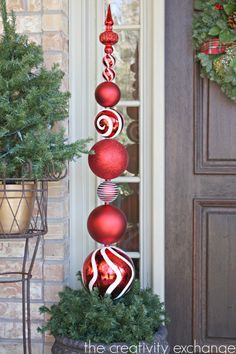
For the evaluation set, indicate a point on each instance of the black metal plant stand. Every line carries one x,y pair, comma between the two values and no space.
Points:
32,201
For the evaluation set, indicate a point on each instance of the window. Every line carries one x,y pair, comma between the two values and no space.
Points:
135,70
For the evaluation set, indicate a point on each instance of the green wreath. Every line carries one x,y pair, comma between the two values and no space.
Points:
214,38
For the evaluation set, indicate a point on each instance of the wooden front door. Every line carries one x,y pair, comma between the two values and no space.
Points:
200,194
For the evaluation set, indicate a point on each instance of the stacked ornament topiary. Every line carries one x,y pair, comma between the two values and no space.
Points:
109,269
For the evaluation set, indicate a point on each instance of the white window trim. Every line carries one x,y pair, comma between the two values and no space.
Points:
83,109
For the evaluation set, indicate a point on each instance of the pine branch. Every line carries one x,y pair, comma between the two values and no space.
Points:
7,26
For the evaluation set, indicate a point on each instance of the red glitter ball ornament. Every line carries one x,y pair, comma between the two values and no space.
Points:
107,224
107,94
109,123
110,270
110,159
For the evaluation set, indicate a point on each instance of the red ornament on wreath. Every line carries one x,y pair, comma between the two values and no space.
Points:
110,270
110,159
109,123
219,7
106,224
107,94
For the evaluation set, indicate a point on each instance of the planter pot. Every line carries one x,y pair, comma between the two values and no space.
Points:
16,207
159,345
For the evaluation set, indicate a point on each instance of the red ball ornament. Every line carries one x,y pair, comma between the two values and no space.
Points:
109,123
106,224
107,94
110,270
110,159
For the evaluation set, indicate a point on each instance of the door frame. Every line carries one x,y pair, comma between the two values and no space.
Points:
82,196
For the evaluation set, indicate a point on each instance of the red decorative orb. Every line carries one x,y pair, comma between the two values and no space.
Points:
109,123
110,270
106,224
110,159
107,94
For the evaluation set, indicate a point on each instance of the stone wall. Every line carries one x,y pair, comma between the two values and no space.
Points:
46,22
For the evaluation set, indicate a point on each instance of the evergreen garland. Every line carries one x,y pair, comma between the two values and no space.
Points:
212,21
30,104
84,316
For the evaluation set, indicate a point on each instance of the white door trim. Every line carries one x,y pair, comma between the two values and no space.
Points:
82,108
158,182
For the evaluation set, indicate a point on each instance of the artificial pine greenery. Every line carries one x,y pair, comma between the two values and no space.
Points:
211,22
30,104
87,316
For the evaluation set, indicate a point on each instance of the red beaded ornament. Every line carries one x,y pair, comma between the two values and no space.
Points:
109,123
110,159
106,224
110,270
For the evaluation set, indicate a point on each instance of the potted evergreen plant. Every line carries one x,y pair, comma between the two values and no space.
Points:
85,322
31,103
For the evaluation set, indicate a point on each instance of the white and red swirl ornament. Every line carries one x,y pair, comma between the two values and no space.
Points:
110,270
109,62
109,123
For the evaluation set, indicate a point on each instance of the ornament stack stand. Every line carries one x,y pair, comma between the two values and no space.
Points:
108,269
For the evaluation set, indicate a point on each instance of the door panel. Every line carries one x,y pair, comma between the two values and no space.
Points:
215,129
200,194
214,305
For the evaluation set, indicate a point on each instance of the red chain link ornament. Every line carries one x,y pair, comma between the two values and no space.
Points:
110,270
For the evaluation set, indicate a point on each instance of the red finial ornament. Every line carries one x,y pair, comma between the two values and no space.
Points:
109,38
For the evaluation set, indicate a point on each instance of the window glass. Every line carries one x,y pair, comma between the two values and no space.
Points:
125,12
128,202
127,64
130,138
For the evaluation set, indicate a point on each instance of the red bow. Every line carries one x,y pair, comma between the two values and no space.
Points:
213,46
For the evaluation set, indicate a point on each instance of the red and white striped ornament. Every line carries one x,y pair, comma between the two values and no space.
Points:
110,270
109,62
107,191
109,123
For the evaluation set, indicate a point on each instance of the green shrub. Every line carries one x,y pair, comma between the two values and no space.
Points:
87,316
31,102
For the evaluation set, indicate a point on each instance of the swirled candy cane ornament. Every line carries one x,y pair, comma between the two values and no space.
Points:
110,270
109,123
109,63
